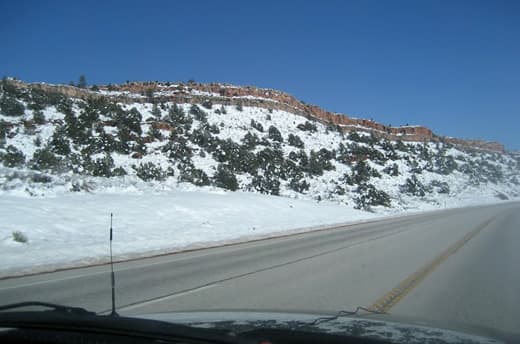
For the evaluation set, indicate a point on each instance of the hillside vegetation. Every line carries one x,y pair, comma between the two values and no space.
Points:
50,143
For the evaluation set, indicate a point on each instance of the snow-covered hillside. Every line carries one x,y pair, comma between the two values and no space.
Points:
53,146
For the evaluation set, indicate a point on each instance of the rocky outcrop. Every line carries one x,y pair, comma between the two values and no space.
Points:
478,144
66,90
229,95
273,99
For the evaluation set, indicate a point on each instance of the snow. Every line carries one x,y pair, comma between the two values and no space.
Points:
203,93
72,229
128,94
256,98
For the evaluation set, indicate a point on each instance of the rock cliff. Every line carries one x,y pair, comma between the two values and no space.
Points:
223,94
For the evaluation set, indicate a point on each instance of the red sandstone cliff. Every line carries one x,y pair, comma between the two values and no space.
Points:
258,97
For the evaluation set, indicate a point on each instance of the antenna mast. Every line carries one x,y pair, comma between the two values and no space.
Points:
112,277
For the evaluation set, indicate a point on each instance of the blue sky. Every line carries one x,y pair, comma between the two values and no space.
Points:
453,66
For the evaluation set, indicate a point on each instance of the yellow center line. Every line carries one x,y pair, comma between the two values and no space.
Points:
388,300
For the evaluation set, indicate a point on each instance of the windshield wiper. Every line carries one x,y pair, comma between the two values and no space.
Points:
53,306
78,320
343,314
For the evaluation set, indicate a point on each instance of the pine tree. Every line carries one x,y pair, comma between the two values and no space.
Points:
156,112
38,117
82,83
59,143
149,94
11,107
250,140
274,134
13,157
225,178
392,170
208,104
299,184
102,167
155,133
267,184
296,141
149,171
44,159
307,126
413,186
369,196
198,113
258,126
193,175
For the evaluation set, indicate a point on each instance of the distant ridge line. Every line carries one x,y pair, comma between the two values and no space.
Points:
230,95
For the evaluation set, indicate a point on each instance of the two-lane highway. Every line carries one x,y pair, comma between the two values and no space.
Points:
456,265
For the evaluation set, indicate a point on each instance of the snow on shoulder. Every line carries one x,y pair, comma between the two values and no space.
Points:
71,229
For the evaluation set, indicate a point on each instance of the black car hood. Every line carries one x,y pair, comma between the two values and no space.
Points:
374,326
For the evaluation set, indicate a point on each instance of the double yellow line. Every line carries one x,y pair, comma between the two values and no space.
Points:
391,298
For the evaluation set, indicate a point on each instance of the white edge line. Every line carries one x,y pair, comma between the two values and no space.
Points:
160,299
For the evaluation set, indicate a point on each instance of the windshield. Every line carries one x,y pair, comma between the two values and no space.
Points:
263,157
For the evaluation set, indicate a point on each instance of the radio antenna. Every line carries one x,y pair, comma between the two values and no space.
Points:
112,276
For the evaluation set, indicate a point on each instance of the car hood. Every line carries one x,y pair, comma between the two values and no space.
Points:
375,326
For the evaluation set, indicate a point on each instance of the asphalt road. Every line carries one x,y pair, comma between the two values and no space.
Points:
459,265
